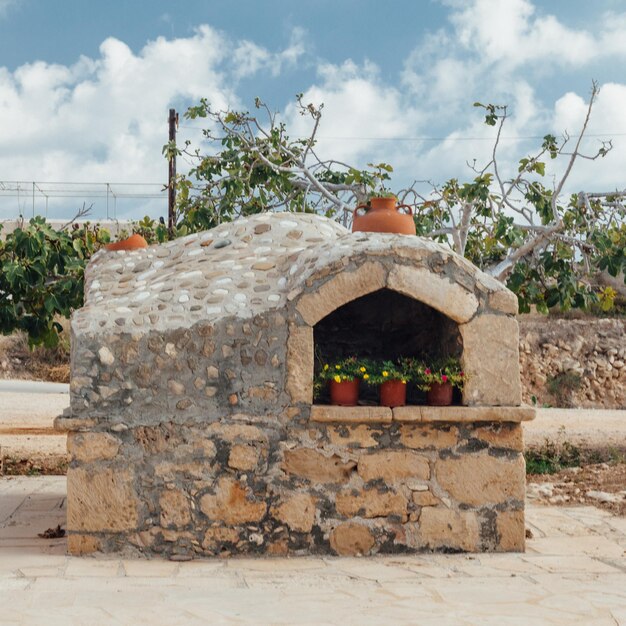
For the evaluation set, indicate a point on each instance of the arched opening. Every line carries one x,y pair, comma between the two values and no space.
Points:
385,325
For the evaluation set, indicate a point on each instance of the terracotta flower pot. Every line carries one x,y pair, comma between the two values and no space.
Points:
440,394
393,393
345,393
134,242
383,216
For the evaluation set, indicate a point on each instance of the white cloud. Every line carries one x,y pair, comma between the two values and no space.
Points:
249,58
504,52
608,121
510,33
105,118
359,108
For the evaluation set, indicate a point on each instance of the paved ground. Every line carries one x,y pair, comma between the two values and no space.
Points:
574,573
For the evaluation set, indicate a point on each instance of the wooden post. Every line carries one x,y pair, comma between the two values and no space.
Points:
171,182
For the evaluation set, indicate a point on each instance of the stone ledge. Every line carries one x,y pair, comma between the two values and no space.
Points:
66,423
463,414
384,415
351,414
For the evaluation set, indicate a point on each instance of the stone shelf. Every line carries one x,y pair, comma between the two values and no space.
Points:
351,414
66,423
385,415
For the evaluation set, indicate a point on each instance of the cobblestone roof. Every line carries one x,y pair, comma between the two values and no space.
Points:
240,269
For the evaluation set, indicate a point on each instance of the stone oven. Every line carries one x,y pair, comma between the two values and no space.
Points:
192,427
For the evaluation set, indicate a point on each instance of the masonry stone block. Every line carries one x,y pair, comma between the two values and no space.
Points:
296,511
351,539
316,466
341,288
491,361
232,503
372,502
446,528
436,290
393,466
88,447
481,479
101,500
300,364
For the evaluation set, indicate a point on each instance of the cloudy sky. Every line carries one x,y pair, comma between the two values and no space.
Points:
85,87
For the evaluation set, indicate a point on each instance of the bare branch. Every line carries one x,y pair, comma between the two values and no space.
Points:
574,154
82,212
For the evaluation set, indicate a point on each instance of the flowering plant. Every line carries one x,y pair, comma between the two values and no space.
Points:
385,371
440,372
343,370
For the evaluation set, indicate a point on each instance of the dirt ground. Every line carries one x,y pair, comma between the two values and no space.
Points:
600,484
44,466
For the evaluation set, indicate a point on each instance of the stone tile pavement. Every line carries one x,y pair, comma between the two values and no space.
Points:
574,573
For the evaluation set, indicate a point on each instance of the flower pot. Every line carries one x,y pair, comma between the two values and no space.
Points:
134,242
393,393
382,215
440,394
345,393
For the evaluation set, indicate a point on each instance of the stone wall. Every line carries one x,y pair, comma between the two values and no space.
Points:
229,487
192,424
578,363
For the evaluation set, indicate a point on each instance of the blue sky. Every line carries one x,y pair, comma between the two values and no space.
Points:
85,86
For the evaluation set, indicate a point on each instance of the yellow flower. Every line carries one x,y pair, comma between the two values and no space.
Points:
337,367
362,369
326,367
385,374
366,376
337,379
404,382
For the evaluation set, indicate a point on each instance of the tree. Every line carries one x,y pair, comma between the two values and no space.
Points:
551,250
547,248
42,271
41,276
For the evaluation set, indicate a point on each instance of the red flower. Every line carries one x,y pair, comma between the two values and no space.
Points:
427,371
444,378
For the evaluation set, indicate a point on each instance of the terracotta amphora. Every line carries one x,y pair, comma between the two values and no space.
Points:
382,215
134,242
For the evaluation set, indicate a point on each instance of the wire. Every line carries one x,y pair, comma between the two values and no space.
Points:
507,137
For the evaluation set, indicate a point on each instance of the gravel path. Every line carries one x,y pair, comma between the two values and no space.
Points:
587,428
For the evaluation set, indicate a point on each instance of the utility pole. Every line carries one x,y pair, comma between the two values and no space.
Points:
171,182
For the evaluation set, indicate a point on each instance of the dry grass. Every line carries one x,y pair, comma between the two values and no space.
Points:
17,360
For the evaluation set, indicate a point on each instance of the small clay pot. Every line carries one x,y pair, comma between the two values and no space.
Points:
393,393
345,393
440,394
134,242
383,216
